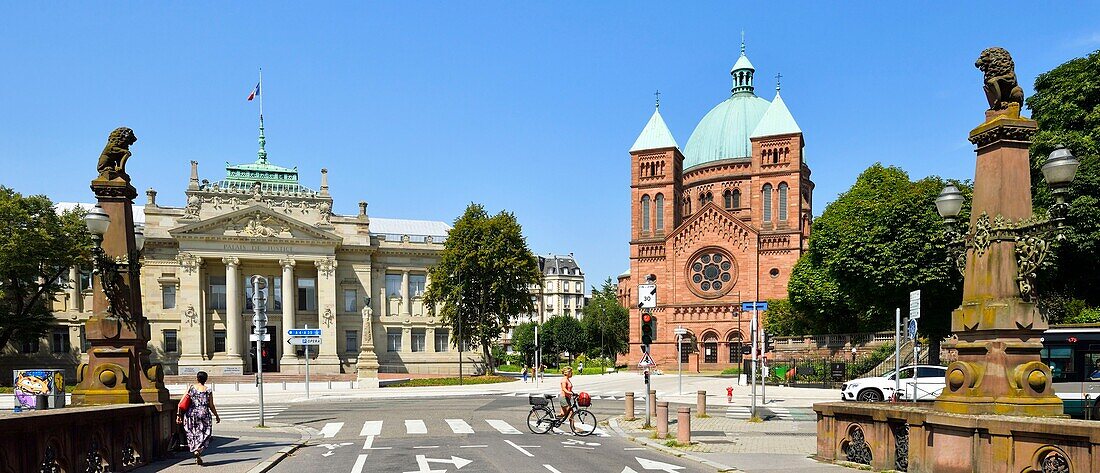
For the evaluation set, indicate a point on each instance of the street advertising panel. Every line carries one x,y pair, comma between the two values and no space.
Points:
29,384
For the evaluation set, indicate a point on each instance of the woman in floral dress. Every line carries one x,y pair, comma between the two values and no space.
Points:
196,419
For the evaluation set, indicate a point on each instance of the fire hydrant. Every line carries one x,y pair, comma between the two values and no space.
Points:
729,394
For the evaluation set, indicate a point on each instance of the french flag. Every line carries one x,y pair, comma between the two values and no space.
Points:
255,92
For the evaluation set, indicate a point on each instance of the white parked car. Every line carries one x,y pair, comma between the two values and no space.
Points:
924,382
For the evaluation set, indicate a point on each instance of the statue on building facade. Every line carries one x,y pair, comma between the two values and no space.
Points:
112,161
1001,87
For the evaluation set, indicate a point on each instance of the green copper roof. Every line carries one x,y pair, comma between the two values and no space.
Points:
776,121
655,135
724,132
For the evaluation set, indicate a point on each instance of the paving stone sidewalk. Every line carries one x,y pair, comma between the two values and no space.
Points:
237,447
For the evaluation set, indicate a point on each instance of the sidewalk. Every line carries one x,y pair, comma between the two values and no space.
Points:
238,448
737,445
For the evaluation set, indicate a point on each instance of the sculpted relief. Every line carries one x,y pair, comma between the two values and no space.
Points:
258,226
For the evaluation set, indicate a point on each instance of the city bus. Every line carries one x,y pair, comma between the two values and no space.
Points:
1073,354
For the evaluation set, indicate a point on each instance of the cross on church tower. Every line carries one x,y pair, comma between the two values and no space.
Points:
658,95
777,77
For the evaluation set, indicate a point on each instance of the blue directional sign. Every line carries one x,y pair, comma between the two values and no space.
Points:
304,332
748,306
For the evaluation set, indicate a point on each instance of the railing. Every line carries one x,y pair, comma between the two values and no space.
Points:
835,340
406,238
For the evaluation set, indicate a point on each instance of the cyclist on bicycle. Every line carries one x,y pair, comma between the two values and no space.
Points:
567,395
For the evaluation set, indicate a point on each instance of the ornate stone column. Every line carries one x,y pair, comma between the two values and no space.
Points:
234,334
289,356
189,303
328,361
406,305
367,368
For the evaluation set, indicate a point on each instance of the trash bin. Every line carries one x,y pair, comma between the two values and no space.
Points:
42,402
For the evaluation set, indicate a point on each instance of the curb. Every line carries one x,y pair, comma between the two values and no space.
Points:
614,424
306,434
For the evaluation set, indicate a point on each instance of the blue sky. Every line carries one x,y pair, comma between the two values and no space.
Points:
422,107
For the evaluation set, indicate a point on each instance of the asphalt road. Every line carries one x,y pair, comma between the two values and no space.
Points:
459,434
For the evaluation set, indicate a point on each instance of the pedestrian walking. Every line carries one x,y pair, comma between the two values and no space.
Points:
580,368
542,373
524,373
197,416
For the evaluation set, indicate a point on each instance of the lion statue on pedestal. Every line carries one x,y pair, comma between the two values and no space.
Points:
1001,88
112,161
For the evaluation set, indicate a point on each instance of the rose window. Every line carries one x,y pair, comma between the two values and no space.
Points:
711,272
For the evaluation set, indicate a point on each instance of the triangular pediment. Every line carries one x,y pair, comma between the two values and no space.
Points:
712,224
255,222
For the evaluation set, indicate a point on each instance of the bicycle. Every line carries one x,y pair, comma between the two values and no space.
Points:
543,417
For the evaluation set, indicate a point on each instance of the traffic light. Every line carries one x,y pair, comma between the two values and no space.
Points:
769,343
649,328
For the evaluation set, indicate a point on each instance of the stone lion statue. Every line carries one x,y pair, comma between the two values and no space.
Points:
112,162
1001,87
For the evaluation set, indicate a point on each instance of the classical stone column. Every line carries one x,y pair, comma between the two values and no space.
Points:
193,327
289,356
75,302
406,305
367,366
234,334
328,361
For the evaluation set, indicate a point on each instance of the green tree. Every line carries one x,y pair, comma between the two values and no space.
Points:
37,248
877,242
564,334
481,281
1066,104
606,322
784,321
523,341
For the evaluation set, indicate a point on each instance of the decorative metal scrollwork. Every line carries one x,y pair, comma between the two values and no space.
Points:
856,449
93,459
129,455
1030,252
901,447
49,461
982,237
1054,462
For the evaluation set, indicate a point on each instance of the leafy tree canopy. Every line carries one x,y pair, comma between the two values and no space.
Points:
606,322
877,242
1066,104
37,248
564,334
481,281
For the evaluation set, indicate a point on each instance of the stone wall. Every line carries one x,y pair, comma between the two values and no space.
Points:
95,438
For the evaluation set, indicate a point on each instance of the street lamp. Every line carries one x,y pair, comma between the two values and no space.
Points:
1059,171
97,222
949,203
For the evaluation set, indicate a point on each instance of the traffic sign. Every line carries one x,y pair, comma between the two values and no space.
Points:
304,332
255,337
304,340
911,330
646,361
647,296
759,305
914,304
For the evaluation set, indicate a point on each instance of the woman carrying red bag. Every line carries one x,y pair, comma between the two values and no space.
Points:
194,414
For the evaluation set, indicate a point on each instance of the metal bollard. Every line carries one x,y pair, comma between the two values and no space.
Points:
629,406
330,384
237,386
683,425
653,402
701,403
662,419
284,385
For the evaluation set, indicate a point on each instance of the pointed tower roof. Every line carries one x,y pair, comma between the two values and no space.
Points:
655,135
776,121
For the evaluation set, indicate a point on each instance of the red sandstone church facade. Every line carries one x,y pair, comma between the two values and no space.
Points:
721,222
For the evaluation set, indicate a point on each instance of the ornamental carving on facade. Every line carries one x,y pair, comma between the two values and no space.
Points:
1002,90
259,225
49,461
711,272
326,266
710,226
188,262
93,458
194,204
901,447
191,315
112,161
855,446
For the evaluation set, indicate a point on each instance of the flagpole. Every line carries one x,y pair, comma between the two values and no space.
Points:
261,94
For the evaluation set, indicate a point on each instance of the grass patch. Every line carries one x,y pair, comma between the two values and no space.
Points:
703,416
731,371
452,381
756,419
510,368
657,436
675,444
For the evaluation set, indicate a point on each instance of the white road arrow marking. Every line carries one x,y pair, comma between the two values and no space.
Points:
422,462
330,429
656,465
333,446
552,469
628,470
328,453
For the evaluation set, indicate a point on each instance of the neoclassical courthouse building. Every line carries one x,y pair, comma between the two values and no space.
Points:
717,223
324,271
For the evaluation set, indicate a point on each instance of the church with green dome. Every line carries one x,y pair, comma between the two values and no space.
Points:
721,221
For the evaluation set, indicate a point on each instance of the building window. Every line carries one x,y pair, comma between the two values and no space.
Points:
85,279
645,214
351,341
418,339
441,339
416,285
350,296
580,287
734,343
736,199
30,347
247,285
659,202
710,350
217,293
783,202
84,344
767,194
219,341
393,339
171,344
277,293
393,285
685,350
60,340
727,198
168,296
307,294
712,271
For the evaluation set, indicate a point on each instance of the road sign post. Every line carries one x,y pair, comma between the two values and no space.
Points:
259,327
647,300
680,332
305,337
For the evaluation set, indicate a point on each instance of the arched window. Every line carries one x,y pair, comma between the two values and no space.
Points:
710,198
702,199
728,197
710,348
645,214
783,202
734,343
736,199
659,201
767,194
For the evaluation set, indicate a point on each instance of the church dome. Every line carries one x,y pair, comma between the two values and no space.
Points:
724,132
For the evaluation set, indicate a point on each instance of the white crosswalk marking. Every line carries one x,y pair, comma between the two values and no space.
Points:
415,426
371,427
460,426
503,427
331,429
360,462
249,413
